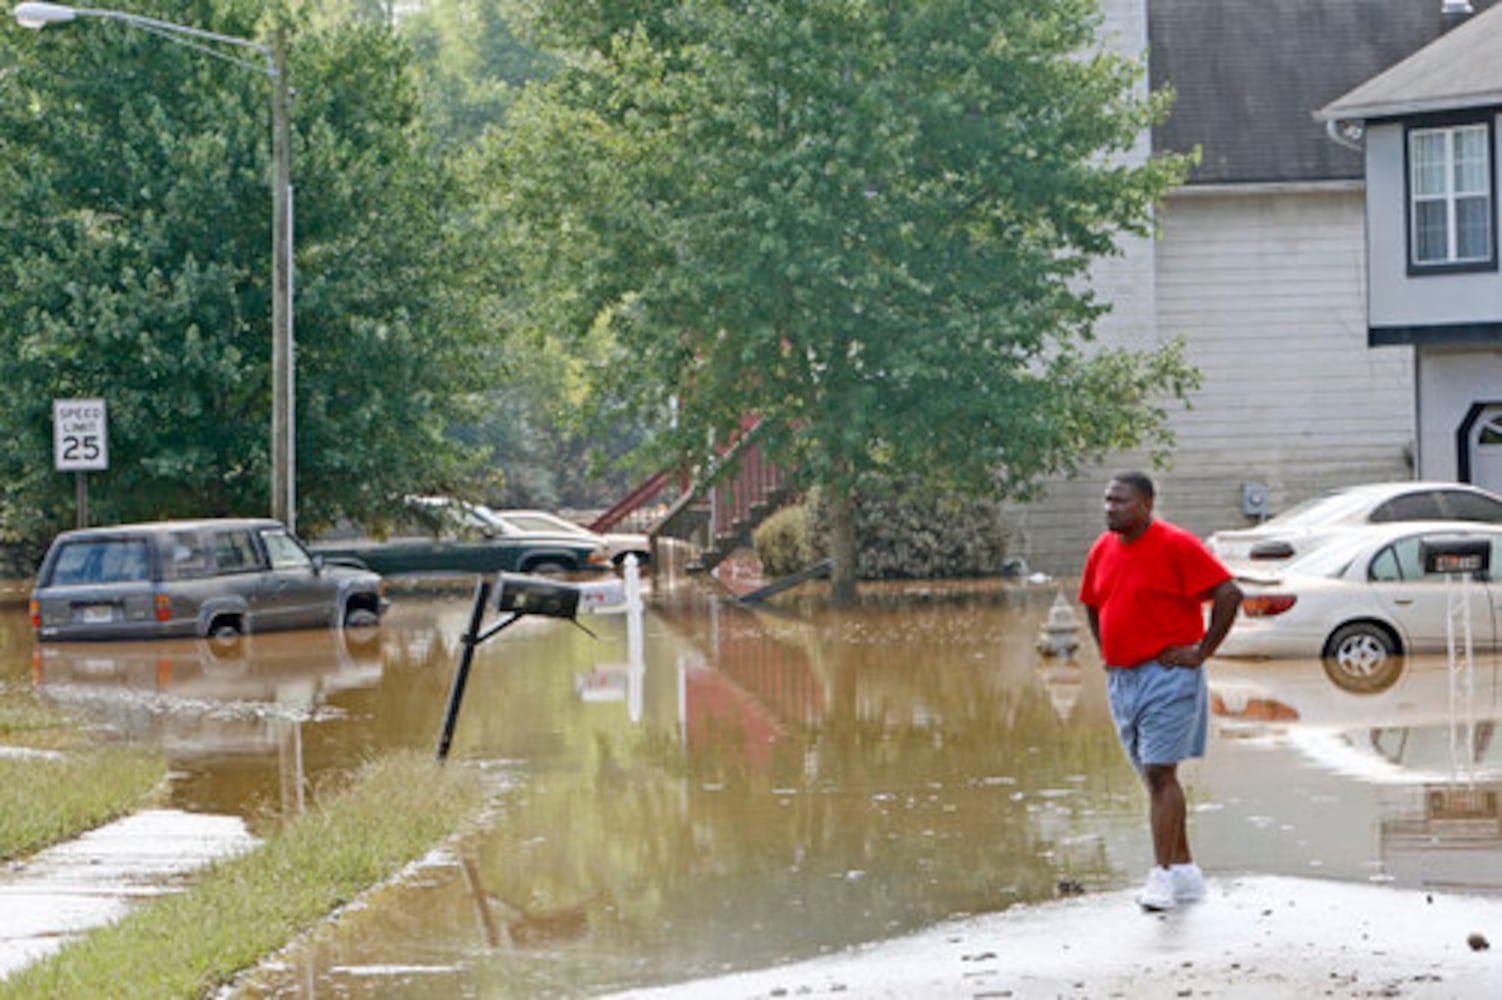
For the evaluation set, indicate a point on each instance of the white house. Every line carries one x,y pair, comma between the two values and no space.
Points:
1429,126
1261,269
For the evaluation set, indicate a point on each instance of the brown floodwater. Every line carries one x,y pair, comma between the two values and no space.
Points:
753,787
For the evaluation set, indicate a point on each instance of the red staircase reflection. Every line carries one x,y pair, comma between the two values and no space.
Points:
752,694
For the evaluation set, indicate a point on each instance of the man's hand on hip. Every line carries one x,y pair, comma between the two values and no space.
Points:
1182,656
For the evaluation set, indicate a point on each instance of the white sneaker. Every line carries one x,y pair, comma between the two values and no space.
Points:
1157,895
1188,882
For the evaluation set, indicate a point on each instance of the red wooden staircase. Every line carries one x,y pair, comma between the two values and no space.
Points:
735,490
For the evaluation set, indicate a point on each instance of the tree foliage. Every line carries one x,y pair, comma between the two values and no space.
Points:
136,231
473,67
869,223
472,62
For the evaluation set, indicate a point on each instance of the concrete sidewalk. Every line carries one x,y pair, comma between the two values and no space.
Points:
1251,937
51,898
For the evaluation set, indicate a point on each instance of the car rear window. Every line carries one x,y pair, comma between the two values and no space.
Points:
1423,506
1398,561
104,560
1466,506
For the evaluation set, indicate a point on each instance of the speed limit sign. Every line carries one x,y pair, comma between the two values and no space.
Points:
80,435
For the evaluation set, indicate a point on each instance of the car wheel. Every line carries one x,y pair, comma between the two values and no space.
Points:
224,629
360,618
224,637
548,567
1363,657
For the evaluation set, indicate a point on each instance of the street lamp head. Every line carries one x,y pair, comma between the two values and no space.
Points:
39,15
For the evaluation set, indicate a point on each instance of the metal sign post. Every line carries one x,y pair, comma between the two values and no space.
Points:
517,595
1460,559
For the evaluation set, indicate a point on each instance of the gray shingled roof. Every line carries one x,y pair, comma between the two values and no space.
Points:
1250,74
1462,69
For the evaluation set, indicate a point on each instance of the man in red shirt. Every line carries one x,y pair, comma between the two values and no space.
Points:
1145,584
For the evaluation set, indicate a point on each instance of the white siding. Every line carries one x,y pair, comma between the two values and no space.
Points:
1398,298
1127,281
1267,291
1450,381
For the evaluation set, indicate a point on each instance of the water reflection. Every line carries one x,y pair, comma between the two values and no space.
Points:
790,783
214,706
1428,732
728,787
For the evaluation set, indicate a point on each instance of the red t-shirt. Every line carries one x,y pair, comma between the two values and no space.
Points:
1148,594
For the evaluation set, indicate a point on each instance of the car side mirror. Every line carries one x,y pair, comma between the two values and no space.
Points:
317,565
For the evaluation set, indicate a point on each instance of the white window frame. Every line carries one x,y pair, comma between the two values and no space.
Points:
1450,194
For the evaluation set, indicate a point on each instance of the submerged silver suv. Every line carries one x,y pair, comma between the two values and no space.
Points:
217,577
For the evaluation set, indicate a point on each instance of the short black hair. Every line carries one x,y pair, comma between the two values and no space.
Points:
1140,482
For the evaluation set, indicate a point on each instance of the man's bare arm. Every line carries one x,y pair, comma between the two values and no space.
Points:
1225,601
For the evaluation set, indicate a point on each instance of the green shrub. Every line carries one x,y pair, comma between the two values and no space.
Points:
788,541
902,534
909,534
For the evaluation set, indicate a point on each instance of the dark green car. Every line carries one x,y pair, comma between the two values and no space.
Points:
421,556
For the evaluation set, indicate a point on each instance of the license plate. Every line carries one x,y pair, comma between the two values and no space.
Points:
96,614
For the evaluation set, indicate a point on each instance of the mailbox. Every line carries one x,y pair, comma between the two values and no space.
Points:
1456,555
532,595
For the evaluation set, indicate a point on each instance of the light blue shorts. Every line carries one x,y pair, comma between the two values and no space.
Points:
1161,713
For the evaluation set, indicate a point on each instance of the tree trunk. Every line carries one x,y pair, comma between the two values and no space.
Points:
842,544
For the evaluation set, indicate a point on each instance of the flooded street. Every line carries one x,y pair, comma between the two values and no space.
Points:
760,787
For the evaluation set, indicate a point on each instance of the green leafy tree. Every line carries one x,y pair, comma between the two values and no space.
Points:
868,223
472,63
530,423
473,67
135,225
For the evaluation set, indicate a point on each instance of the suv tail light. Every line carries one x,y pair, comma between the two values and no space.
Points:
1267,605
163,608
36,613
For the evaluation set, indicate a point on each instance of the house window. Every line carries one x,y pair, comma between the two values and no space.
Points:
1450,195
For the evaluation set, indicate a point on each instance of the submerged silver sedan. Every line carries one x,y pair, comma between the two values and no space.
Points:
1369,596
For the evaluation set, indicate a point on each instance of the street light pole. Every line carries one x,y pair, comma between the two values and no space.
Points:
283,415
283,419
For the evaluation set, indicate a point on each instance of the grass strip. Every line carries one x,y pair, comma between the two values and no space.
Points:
190,943
44,800
25,719
47,800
